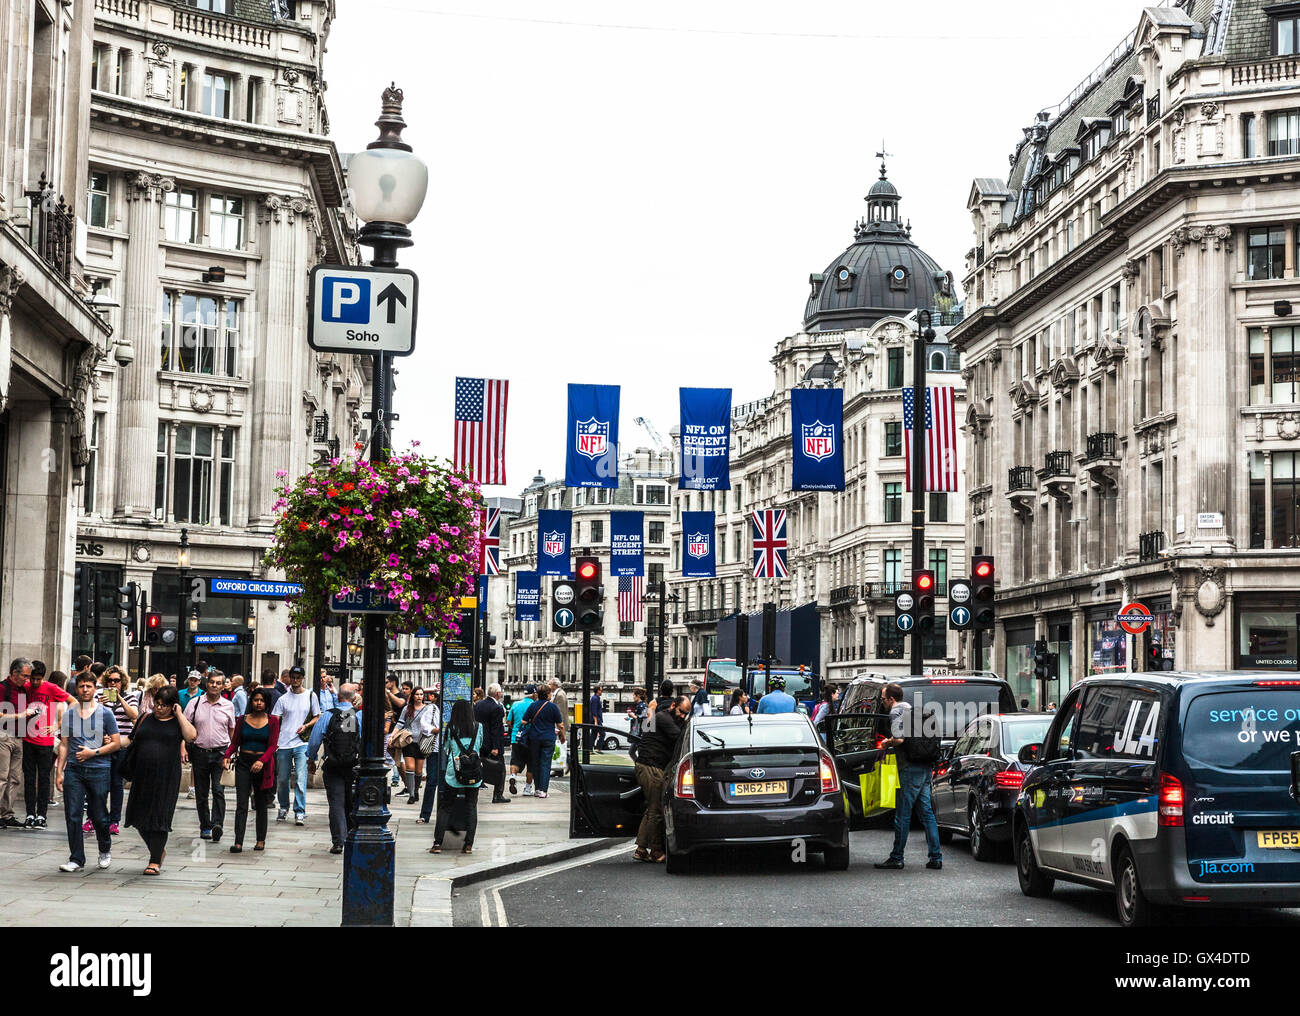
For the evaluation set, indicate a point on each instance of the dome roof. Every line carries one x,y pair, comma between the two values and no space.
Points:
823,370
883,273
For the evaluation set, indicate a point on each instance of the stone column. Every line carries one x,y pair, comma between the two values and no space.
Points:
1268,501
1206,252
137,429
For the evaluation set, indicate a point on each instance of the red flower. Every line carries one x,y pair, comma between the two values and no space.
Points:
348,486
345,510
303,527
331,492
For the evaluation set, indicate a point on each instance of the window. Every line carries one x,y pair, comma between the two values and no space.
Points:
597,531
120,71
599,495
893,570
1265,252
199,334
253,100
934,643
738,542
217,90
938,361
199,453
893,502
101,58
655,493
225,222
656,534
1285,481
939,565
1284,132
889,640
938,508
1286,33
627,667
894,363
98,200
626,629
215,6
181,216
655,572
92,466
1247,135
893,437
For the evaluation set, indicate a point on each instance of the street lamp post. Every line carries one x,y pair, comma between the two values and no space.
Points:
924,336
388,185
182,621
653,665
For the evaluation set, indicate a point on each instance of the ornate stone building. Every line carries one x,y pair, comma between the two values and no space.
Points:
50,336
1134,419
849,551
213,188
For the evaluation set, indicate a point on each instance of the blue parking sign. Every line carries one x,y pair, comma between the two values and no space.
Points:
346,301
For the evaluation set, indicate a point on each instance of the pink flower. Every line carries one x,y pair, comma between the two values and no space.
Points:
393,561
281,473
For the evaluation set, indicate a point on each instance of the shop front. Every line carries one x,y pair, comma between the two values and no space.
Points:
1266,630
1107,643
1019,672
1060,657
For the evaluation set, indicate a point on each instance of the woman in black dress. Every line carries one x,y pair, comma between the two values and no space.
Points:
154,769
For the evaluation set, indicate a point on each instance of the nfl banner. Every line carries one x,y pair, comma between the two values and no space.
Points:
626,544
553,529
592,442
697,545
705,438
528,596
817,422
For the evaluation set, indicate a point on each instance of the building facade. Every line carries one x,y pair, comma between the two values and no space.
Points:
1134,419
51,338
212,189
849,552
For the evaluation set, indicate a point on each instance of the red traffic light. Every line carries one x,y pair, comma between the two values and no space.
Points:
587,571
924,581
983,569
153,620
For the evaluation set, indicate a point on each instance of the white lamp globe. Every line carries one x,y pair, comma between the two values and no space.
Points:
388,185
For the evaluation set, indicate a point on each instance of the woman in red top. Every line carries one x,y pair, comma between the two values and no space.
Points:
252,755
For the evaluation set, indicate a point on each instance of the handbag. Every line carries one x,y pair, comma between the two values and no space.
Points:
429,744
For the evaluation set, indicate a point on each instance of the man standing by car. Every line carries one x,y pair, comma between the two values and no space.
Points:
917,754
657,746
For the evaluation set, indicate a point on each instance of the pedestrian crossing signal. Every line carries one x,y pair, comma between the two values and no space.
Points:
152,628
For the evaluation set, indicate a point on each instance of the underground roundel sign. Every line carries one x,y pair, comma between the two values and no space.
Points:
1134,618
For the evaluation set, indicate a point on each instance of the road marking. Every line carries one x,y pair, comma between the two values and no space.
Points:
495,891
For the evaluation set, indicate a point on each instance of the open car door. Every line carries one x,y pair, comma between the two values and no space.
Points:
852,739
604,798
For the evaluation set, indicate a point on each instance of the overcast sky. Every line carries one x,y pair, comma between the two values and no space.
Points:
635,194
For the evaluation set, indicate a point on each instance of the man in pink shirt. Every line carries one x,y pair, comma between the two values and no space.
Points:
213,717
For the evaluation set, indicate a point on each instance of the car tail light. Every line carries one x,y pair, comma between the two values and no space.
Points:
1171,801
1196,899
948,680
685,778
1276,684
829,774
1014,778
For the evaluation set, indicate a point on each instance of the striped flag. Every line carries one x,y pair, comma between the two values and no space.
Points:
770,544
480,446
489,562
629,598
941,432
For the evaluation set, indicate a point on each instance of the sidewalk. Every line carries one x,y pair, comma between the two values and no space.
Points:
295,881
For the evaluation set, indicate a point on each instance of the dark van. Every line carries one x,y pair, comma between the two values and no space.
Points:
1168,789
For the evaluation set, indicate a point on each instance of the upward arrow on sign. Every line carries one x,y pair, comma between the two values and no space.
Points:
392,296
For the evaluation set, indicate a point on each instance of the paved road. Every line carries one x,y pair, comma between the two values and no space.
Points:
747,888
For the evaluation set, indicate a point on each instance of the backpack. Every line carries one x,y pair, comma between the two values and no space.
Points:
921,749
468,765
343,740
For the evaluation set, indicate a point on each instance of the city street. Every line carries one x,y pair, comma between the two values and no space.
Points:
767,890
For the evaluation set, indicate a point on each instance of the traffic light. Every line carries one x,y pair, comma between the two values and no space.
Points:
923,589
590,596
981,570
152,628
1040,661
1155,657
128,598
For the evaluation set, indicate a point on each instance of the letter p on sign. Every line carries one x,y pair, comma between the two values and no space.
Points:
346,300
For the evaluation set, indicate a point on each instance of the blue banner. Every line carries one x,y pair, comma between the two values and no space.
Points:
817,424
592,440
528,596
626,544
553,529
705,440
698,555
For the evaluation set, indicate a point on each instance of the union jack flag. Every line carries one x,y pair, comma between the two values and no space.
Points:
489,559
770,544
629,598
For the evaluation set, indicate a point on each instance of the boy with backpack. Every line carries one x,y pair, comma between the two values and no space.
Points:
341,740
918,749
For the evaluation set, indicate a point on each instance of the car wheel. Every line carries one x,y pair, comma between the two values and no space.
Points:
1032,880
609,744
981,847
675,864
1131,905
836,858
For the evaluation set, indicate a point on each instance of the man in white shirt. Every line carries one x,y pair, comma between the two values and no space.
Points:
298,710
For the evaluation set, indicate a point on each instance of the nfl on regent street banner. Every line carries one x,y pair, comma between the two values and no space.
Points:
528,596
626,544
592,441
817,422
705,438
553,529
697,545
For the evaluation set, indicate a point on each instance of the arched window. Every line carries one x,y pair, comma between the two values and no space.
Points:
938,361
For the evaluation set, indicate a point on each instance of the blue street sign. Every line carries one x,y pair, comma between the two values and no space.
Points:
960,617
564,618
214,639
362,601
254,589
905,622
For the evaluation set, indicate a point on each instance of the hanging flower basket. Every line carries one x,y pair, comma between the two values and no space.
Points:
407,528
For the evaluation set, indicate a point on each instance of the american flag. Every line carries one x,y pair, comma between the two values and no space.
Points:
941,430
770,544
489,562
481,428
629,598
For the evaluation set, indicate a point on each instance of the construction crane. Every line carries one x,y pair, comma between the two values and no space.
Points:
650,429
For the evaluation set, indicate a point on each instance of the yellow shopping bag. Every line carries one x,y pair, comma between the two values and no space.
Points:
889,782
869,784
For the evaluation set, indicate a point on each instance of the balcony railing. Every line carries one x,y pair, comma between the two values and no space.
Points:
220,28
883,590
1266,73
1101,446
321,428
120,8
1020,478
844,594
705,616
1150,545
1057,463
52,228
1153,108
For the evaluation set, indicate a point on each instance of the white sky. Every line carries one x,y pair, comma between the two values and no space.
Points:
635,194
